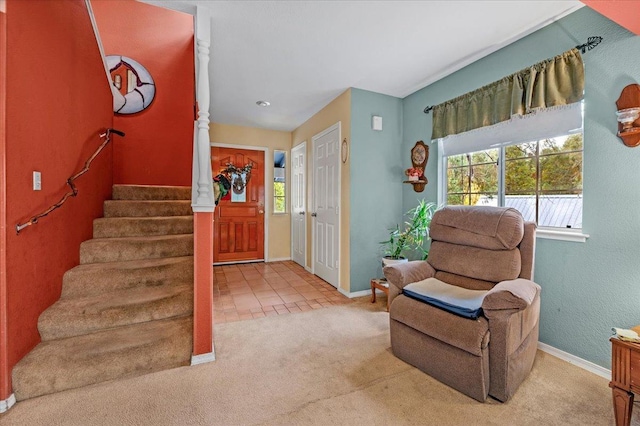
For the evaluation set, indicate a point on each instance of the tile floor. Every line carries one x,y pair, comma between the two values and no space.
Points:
255,290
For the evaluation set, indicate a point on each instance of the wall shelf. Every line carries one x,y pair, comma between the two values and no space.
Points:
418,185
629,98
630,138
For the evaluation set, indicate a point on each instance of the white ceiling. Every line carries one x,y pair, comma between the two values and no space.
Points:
300,55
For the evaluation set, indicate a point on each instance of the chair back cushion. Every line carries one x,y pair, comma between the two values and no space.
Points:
477,242
493,228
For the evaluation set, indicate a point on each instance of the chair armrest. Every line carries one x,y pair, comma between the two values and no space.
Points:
511,296
401,274
513,311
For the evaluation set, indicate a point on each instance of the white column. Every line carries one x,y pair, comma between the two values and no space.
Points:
202,186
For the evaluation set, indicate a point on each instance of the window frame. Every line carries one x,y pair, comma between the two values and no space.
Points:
553,233
275,197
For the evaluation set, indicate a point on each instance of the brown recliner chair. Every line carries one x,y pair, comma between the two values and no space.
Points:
481,254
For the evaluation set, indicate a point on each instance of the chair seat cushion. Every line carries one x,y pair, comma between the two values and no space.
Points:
457,300
470,335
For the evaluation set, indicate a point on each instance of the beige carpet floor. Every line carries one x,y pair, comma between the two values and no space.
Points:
330,366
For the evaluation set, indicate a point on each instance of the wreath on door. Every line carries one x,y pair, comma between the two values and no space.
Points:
231,178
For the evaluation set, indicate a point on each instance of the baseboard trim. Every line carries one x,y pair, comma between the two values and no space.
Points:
237,261
5,404
360,293
203,358
577,361
278,259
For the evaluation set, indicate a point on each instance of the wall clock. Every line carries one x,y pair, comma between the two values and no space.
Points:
419,158
134,85
420,155
345,150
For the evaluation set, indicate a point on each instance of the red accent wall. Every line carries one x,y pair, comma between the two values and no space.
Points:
159,144
625,13
5,386
57,102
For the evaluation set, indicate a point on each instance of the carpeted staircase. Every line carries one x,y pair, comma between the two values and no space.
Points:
127,308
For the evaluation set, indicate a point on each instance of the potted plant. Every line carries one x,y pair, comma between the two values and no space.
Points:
412,236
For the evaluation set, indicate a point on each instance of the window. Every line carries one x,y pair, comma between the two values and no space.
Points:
472,177
279,189
542,179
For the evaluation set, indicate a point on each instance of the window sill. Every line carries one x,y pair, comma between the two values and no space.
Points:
552,234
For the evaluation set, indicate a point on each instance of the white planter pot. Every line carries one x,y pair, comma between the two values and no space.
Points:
386,261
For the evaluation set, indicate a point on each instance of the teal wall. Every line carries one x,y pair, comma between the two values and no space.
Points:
376,181
586,287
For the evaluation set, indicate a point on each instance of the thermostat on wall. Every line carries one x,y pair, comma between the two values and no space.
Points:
376,123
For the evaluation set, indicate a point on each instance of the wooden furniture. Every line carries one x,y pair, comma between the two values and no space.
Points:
381,284
629,98
625,378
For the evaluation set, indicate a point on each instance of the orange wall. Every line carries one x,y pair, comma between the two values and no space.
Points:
159,143
4,372
57,102
625,13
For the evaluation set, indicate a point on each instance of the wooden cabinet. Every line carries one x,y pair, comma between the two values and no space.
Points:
625,378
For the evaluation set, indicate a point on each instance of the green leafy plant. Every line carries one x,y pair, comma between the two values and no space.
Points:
413,234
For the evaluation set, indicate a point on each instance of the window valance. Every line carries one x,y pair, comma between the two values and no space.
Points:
556,82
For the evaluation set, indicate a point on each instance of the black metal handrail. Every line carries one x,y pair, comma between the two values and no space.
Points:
74,191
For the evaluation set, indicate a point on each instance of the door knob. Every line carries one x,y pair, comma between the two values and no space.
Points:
301,213
313,214
261,211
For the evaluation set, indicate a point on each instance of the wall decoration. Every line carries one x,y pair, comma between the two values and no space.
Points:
134,85
628,115
345,150
419,159
231,183
221,186
238,187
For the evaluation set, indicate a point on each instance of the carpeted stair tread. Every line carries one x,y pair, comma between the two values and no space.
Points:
93,358
146,208
100,250
149,192
113,227
77,316
127,309
96,278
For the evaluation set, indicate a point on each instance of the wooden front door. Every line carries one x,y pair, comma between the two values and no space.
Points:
239,219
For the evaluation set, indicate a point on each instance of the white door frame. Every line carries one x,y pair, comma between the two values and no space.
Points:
338,126
302,146
267,199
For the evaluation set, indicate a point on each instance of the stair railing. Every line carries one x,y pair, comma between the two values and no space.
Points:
74,190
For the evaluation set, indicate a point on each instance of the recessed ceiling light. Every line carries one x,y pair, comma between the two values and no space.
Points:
263,103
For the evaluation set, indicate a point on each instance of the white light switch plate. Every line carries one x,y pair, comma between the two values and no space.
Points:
376,122
37,181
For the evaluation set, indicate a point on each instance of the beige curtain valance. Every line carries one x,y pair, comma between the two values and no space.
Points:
555,82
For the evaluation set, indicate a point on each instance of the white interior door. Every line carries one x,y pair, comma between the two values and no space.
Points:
326,199
298,214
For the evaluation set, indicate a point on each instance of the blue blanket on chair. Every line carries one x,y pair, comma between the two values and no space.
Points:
457,300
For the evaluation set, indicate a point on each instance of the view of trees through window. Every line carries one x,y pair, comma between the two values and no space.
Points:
542,179
279,197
